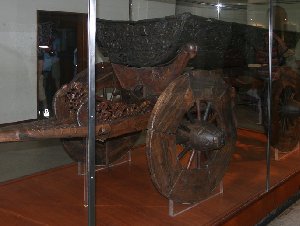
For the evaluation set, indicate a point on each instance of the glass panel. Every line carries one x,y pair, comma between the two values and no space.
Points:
230,36
191,134
42,48
285,86
196,81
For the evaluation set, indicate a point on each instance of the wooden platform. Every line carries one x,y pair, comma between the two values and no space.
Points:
126,196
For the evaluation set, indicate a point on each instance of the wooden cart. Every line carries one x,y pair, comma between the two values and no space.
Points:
166,76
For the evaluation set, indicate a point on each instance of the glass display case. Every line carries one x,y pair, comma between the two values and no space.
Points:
198,97
38,41
284,95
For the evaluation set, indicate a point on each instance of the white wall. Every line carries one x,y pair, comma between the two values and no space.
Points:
18,30
239,16
112,9
147,9
258,14
209,12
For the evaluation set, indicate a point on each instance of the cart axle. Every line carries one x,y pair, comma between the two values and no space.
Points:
203,137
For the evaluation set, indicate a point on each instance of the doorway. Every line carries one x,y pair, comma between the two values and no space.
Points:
62,53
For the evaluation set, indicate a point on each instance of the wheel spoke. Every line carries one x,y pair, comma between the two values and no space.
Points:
198,160
198,110
207,111
104,93
283,125
191,159
113,94
183,153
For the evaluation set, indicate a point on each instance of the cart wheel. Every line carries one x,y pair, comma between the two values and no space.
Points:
285,112
108,151
67,103
191,136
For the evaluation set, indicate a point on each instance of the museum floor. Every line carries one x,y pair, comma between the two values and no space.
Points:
52,194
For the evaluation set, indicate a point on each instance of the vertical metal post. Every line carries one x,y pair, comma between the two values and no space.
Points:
268,154
92,112
218,10
130,10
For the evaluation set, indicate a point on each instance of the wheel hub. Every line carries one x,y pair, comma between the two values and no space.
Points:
202,136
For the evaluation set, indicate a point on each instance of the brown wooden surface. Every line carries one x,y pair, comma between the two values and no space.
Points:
51,128
172,177
126,196
155,79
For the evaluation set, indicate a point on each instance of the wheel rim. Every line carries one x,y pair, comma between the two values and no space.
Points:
170,170
112,149
285,129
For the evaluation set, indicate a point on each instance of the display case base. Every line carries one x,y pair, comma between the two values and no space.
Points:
126,195
176,209
280,155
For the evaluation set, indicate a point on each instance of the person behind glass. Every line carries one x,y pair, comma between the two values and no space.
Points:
56,48
42,100
47,78
51,70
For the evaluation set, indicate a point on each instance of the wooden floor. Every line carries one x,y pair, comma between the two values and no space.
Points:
126,196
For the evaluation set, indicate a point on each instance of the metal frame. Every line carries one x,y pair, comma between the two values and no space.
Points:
268,152
130,10
92,112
